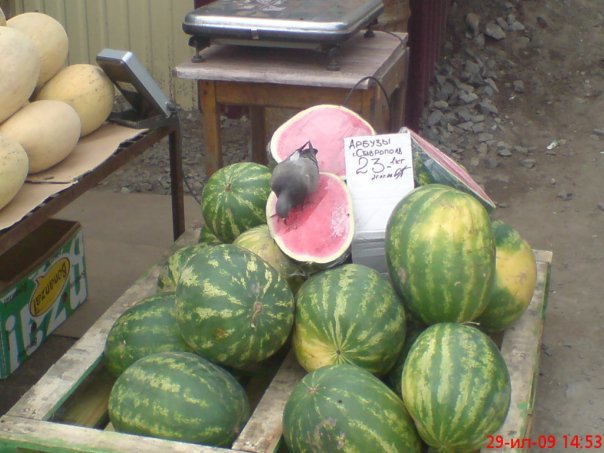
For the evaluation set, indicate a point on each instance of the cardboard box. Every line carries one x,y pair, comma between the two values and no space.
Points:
42,282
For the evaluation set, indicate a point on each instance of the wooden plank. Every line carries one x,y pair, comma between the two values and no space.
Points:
283,96
22,434
521,350
262,433
211,126
360,57
42,400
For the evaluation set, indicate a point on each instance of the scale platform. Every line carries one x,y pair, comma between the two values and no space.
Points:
321,25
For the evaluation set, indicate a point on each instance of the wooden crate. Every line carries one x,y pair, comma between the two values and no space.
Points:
66,411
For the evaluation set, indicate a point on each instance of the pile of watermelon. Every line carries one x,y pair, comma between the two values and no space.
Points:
395,361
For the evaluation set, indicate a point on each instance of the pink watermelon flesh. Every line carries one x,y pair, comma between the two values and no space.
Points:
325,126
321,230
458,177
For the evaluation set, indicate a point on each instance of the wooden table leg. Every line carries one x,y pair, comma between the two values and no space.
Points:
258,129
397,109
176,181
210,117
369,109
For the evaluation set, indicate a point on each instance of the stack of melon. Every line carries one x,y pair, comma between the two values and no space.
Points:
45,107
255,280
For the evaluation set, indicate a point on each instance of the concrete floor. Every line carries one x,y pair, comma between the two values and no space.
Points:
124,235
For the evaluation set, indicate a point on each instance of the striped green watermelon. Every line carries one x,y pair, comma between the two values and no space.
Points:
343,408
148,327
456,386
179,396
348,314
440,253
260,241
207,237
168,275
234,199
432,166
515,279
232,307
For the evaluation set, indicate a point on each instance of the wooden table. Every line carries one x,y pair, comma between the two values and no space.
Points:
297,79
123,155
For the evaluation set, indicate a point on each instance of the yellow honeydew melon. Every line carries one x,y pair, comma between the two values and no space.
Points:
50,39
87,89
14,165
48,130
19,70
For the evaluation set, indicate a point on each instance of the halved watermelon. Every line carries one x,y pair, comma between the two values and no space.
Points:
320,231
432,166
325,126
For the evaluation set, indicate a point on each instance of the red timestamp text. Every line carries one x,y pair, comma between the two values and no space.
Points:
549,441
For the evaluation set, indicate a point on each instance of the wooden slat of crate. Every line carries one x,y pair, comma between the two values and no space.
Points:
25,434
262,433
42,400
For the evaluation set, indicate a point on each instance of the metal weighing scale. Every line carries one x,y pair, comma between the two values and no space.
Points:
321,25
150,106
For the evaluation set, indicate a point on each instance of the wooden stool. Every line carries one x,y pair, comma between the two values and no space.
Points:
297,79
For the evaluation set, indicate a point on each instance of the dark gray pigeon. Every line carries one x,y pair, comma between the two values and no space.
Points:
295,178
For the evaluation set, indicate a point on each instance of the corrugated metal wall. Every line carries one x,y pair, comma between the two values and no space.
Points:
152,29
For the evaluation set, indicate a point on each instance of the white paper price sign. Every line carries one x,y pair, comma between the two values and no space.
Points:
379,173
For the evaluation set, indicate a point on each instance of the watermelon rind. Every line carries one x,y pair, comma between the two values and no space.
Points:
233,199
232,307
515,279
348,314
179,396
440,254
343,408
325,126
145,328
456,387
320,231
432,166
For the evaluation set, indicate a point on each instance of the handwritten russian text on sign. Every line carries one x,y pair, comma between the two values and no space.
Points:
379,173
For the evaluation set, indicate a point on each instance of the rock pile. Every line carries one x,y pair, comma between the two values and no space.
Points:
472,77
